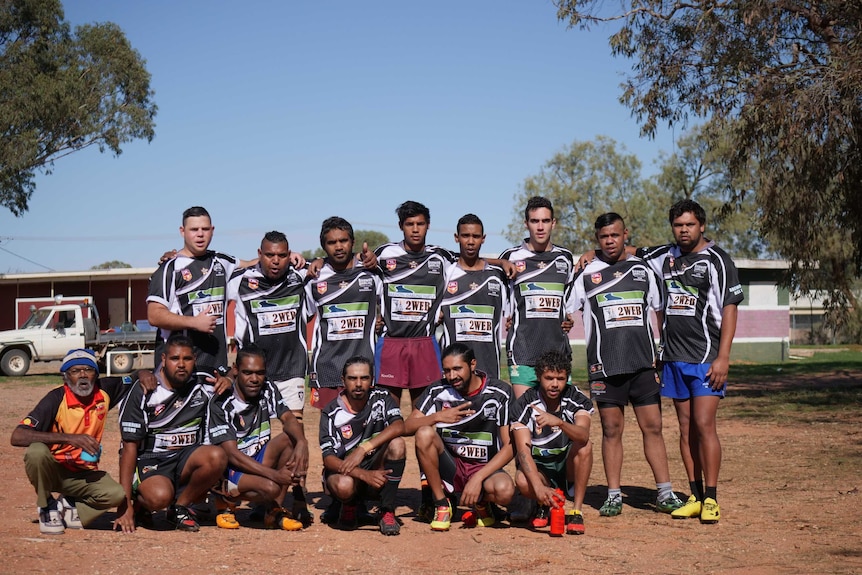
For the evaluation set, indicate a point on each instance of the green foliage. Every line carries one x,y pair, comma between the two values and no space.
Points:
111,265
782,81
587,179
63,91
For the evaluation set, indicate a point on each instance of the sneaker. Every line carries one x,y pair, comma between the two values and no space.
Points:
669,504
611,507
183,518
710,513
485,515
691,508
521,509
51,518
541,518
575,522
331,513
278,518
442,517
70,513
347,517
302,514
389,524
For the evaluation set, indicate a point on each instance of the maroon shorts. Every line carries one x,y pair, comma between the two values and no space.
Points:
407,362
321,396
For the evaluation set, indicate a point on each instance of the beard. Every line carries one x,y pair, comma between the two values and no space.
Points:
83,387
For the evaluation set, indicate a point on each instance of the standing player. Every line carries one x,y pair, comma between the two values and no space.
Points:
540,320
270,312
551,433
476,295
187,292
462,441
261,466
407,356
702,293
163,462
363,451
615,293
345,296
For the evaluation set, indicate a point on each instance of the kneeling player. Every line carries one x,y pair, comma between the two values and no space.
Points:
551,429
260,466
363,451
462,438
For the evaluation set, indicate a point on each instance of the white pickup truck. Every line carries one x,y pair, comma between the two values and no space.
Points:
53,330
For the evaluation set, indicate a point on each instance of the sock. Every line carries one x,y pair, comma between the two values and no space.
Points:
390,488
710,493
298,494
615,493
665,490
442,503
697,488
426,492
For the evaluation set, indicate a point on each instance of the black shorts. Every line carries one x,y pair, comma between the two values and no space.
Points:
168,465
363,490
641,388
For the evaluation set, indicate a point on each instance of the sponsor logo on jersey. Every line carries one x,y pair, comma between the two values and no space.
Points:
639,275
452,287
219,270
562,267
346,431
343,284
321,287
390,264
473,286
699,270
596,367
148,468
541,265
366,284
187,275
434,266
618,274
736,290
597,387
489,411
493,289
596,278
413,265
253,283
520,266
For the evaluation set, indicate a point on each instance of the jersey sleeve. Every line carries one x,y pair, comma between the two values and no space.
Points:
728,280
219,428
41,418
132,419
329,442
519,412
278,406
116,388
393,412
161,289
425,404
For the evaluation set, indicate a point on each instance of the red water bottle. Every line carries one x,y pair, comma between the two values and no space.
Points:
558,514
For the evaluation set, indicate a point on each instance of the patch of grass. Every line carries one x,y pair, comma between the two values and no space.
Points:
823,361
34,380
823,404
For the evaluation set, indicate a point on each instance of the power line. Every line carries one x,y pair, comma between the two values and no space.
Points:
22,257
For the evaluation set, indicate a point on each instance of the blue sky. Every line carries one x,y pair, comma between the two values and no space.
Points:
276,115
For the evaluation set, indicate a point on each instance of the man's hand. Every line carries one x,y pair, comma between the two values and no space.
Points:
296,260
147,380
204,323
314,268
376,478
86,442
284,476
125,520
298,460
509,269
472,492
568,323
454,414
367,257
717,373
543,418
585,259
352,461
169,255
547,496
220,383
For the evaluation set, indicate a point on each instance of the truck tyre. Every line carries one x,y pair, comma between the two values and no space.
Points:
121,362
15,362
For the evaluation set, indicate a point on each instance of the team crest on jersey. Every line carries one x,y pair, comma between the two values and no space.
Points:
452,287
343,285
474,285
346,431
520,266
390,264
205,271
321,287
187,274
413,265
253,283
241,421
542,265
159,409
618,274
178,404
596,278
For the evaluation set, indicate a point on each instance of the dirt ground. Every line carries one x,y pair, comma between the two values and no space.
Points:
789,493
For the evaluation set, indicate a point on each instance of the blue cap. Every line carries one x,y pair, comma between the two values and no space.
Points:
79,357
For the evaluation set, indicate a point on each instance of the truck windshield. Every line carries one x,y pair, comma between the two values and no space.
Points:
37,319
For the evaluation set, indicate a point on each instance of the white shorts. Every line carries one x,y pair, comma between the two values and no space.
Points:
293,392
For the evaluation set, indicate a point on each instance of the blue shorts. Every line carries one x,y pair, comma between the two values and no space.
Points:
681,380
229,484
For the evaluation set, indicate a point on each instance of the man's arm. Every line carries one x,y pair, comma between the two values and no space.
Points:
298,460
527,465
161,317
418,419
23,436
717,372
125,520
